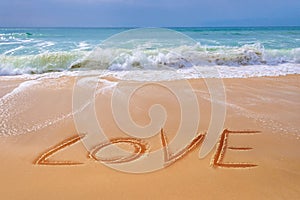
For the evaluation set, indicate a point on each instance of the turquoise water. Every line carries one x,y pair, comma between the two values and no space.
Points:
41,50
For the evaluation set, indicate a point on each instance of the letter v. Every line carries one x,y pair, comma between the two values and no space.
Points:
170,158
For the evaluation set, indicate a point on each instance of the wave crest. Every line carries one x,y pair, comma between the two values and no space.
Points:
121,59
184,56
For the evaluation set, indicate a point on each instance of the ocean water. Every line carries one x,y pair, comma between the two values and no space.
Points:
151,53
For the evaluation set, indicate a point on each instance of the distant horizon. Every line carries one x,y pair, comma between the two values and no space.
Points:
242,26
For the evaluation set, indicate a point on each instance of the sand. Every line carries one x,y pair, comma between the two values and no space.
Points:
42,156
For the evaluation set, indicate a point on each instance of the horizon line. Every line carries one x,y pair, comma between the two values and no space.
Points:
225,26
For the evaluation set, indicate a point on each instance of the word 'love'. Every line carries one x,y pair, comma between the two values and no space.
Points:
141,147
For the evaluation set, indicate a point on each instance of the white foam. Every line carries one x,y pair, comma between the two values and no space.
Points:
164,63
13,110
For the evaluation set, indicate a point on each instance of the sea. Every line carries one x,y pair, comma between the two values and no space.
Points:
151,53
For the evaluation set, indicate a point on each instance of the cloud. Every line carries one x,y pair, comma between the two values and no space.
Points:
97,1
148,12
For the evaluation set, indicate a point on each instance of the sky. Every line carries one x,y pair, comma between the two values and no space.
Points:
148,13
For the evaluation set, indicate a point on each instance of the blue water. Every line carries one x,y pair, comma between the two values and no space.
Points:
40,50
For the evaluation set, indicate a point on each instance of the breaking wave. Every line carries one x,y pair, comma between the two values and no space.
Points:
121,59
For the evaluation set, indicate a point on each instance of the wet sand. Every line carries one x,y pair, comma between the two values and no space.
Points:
42,157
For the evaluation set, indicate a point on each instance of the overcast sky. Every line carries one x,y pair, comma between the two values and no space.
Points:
148,13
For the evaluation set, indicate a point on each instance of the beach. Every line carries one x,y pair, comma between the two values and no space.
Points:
43,156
